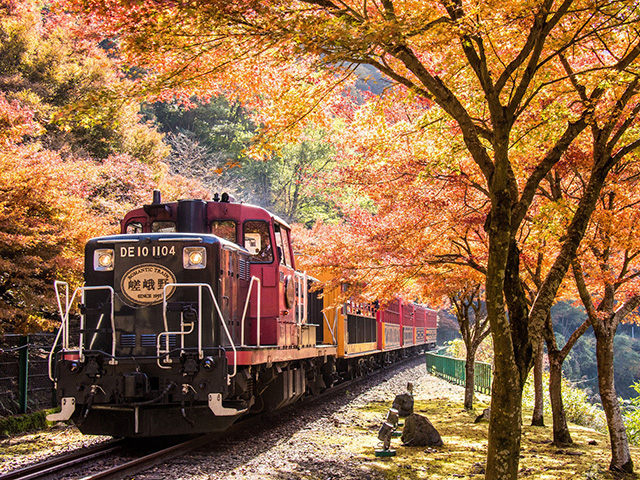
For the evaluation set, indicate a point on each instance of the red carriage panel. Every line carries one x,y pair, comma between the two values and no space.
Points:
431,331
389,325
408,330
420,320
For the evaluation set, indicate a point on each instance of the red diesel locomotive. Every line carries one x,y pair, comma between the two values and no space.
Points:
195,315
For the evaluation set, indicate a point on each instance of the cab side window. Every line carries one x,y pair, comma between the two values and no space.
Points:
282,241
258,241
287,247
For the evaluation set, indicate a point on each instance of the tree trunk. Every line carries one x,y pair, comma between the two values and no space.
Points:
505,423
508,331
620,455
560,428
469,382
537,419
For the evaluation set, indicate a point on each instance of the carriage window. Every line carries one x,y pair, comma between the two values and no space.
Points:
257,241
283,245
163,227
224,229
134,227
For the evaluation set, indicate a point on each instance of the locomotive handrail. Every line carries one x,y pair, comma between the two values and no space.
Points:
64,317
301,303
255,280
113,322
222,320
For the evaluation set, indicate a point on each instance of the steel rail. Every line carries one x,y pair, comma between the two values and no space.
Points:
53,466
147,461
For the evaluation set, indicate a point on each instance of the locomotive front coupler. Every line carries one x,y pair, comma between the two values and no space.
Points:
93,366
190,364
168,389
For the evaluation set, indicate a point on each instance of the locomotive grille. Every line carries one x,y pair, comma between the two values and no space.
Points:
244,270
148,340
173,340
127,341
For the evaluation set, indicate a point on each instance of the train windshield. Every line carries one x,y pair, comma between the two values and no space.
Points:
134,227
224,229
258,241
163,227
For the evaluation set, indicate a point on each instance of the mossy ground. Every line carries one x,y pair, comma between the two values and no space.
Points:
464,452
24,423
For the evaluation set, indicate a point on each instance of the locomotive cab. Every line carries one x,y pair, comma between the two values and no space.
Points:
283,306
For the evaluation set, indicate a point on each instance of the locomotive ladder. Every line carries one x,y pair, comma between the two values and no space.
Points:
64,305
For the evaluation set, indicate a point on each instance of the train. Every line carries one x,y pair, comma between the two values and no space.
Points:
195,315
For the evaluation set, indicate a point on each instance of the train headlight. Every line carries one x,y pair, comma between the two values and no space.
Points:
103,260
194,257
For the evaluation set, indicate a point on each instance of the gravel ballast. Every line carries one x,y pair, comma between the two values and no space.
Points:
325,440
331,438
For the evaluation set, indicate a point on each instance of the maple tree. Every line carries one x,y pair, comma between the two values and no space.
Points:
50,207
545,232
43,224
518,83
547,222
606,274
54,195
75,91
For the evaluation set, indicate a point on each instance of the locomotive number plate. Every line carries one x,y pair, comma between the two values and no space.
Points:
144,284
154,251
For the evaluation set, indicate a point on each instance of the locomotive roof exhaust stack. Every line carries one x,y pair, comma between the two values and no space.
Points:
157,197
192,216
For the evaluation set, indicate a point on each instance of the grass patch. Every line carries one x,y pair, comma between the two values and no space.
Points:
24,423
463,454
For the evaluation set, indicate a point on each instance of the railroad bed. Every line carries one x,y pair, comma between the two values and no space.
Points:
333,438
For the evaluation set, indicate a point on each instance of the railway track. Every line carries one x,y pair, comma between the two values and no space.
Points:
76,464
56,466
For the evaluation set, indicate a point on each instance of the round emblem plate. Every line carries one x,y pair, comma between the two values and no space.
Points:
144,284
